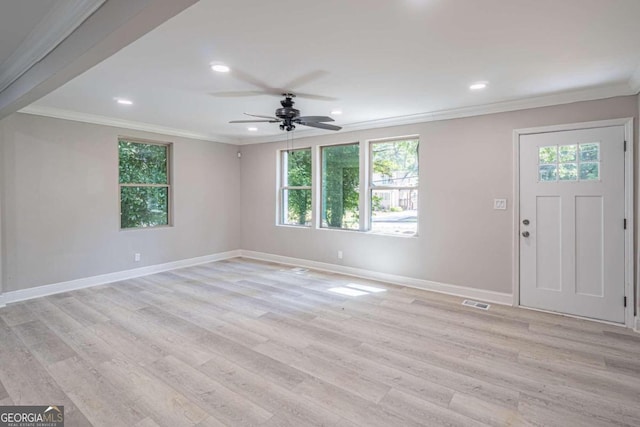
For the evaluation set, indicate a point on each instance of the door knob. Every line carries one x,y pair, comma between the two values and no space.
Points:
525,234
525,222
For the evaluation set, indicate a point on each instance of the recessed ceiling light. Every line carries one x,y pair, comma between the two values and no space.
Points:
478,86
123,101
252,129
220,68
336,112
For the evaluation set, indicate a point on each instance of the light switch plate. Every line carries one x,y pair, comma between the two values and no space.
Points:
500,204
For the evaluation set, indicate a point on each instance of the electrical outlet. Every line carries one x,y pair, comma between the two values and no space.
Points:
136,257
500,204
339,254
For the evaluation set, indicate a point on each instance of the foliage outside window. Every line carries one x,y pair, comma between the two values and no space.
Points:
144,184
340,186
575,162
394,186
295,191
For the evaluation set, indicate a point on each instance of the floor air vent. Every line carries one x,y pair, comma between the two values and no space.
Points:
476,304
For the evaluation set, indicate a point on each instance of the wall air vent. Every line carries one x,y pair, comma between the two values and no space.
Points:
476,304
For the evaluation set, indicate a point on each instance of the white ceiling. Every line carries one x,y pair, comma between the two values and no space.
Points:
379,59
17,20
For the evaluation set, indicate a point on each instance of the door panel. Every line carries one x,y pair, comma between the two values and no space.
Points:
549,243
572,194
589,246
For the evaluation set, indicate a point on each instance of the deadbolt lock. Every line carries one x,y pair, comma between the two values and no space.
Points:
525,222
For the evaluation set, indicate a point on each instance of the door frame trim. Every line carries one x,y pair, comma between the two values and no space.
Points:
627,123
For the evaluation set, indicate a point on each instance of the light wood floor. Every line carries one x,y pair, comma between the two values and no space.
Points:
241,342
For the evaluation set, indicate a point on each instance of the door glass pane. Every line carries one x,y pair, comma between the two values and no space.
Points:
590,152
340,186
547,172
568,172
297,207
548,154
394,211
567,153
589,171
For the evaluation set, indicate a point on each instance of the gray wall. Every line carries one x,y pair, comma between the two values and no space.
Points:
464,164
60,218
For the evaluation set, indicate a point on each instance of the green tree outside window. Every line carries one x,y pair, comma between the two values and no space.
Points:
144,184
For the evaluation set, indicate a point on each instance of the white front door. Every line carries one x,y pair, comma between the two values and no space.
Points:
572,204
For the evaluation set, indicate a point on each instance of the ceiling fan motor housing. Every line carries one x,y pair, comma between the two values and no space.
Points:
287,113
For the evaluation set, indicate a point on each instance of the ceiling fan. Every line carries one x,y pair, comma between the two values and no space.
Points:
289,117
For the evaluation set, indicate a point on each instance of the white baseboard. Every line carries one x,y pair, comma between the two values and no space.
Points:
87,282
444,288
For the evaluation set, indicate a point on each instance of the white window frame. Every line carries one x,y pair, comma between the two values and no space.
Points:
365,185
282,188
168,186
361,179
370,187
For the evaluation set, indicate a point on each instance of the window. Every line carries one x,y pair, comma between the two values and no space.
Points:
393,173
144,184
385,180
295,189
576,162
340,186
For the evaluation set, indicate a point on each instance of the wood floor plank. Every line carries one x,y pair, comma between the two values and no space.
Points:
485,412
99,400
15,314
350,406
425,412
275,398
225,405
245,342
323,369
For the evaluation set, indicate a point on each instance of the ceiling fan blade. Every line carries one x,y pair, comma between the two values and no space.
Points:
262,117
315,119
248,78
254,121
313,96
306,78
321,125
238,94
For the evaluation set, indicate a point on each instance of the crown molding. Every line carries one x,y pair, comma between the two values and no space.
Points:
455,113
75,116
476,110
634,81
56,26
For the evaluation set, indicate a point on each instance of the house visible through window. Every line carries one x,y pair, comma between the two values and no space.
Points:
340,186
377,192
295,188
144,178
394,186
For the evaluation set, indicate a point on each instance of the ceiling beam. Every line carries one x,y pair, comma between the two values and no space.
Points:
56,26
114,25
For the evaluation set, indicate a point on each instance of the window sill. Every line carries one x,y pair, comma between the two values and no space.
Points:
156,227
301,227
368,232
